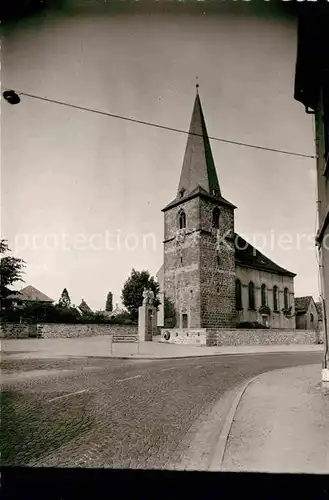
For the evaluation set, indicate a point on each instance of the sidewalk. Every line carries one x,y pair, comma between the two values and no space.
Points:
281,425
101,347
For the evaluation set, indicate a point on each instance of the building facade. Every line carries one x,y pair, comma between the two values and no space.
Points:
307,314
312,90
211,277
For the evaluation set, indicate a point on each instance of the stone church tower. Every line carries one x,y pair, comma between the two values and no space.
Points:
199,256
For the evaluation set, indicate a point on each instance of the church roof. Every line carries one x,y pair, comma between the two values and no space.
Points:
302,304
248,256
30,293
198,165
198,176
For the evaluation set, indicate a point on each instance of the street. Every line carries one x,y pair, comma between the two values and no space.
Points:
118,413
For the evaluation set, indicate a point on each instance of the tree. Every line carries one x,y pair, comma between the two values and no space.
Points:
132,292
64,301
11,271
109,302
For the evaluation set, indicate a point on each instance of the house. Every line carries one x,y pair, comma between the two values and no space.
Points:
84,308
29,294
312,90
211,277
307,316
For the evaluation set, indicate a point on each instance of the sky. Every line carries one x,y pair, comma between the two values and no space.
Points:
82,193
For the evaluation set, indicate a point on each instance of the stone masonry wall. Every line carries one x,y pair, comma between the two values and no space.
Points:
236,337
17,330
222,337
61,330
181,263
217,268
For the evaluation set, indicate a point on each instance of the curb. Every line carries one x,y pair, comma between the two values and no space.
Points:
132,356
217,461
154,358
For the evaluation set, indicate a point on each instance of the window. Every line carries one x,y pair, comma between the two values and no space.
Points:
286,298
238,296
182,219
184,320
251,294
275,298
182,192
215,218
263,294
311,318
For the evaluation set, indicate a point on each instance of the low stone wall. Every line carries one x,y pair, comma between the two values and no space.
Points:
61,330
261,337
237,337
18,330
178,336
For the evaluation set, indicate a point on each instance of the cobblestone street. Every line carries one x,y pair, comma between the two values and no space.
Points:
116,413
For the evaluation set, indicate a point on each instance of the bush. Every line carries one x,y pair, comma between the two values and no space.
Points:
123,319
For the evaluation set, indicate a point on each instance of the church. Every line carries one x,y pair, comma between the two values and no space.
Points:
211,277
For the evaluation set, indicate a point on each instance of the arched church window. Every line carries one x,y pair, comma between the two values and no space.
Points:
182,219
286,298
311,318
251,295
275,298
263,294
215,218
238,295
182,192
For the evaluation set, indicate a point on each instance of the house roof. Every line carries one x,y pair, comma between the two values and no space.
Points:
318,306
84,306
30,293
248,256
302,304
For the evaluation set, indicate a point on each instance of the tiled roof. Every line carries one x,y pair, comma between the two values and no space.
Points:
84,306
302,303
249,256
30,293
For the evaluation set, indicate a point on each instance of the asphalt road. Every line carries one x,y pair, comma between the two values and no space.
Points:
117,413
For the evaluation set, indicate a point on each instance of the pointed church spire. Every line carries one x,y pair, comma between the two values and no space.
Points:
198,165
